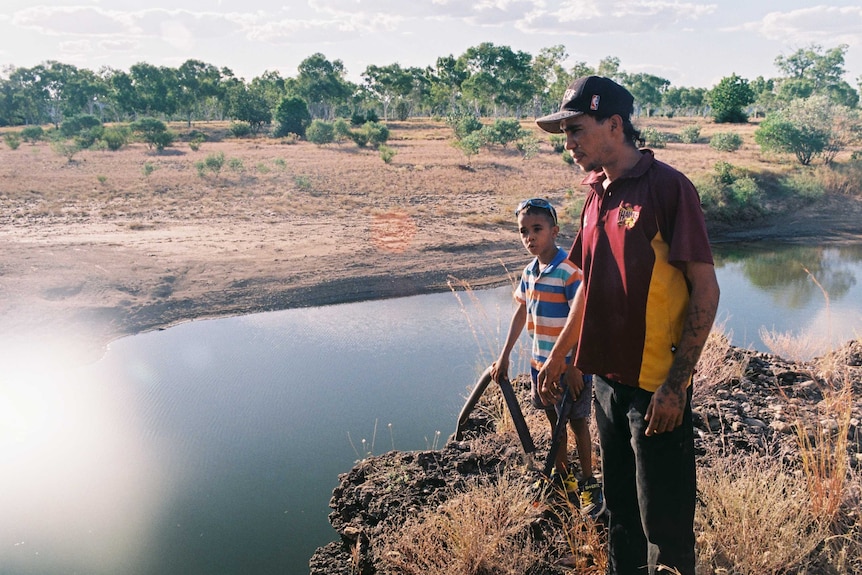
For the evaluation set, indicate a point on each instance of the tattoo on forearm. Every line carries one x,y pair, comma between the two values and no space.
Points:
697,327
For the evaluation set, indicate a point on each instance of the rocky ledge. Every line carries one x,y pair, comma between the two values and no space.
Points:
754,410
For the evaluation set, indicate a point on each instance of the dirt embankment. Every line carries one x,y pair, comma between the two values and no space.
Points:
116,243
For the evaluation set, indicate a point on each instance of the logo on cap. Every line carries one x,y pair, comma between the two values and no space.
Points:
594,102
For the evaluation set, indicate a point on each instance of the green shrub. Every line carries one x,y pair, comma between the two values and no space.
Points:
503,131
377,133
463,124
73,126
778,133
235,165
148,168
32,134
154,132
240,129
361,118
320,132
567,158
214,163
558,142
292,116
342,129
470,144
726,141
729,194
115,138
402,110
360,138
163,140
653,138
88,137
12,139
690,134
528,145
67,148
386,153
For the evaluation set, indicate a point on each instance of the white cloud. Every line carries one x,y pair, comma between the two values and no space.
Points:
631,16
78,21
826,24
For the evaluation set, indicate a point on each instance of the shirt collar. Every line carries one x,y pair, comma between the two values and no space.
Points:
638,170
558,259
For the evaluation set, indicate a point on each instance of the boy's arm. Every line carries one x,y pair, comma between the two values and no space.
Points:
516,326
567,341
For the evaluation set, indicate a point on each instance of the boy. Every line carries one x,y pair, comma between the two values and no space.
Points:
545,294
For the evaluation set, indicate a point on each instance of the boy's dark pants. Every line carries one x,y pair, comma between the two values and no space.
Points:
649,483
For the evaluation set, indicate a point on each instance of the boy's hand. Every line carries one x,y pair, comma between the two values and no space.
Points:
500,369
575,381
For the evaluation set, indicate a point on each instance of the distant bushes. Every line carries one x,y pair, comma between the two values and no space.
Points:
725,141
730,194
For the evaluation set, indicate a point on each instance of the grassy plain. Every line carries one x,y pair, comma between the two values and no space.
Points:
104,244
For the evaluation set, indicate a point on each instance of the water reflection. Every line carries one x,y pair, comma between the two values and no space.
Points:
796,274
811,290
214,446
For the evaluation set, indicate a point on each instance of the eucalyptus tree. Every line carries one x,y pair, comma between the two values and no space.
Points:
813,70
249,104
500,80
271,86
197,82
444,81
322,84
552,78
685,101
647,89
24,97
394,84
156,89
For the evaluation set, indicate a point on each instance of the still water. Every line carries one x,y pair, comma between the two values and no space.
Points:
213,447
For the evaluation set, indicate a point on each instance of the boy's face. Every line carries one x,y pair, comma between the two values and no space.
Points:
538,234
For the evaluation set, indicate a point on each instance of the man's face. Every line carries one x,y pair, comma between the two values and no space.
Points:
588,140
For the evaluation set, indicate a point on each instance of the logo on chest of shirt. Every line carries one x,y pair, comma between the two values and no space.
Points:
628,216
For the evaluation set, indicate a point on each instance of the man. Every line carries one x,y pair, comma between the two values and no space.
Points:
639,323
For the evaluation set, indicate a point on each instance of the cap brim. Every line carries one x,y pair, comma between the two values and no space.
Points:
551,123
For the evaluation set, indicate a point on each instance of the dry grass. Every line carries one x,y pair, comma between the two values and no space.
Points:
485,529
426,179
719,363
755,519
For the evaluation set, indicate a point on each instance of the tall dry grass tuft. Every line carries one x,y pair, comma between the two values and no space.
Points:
485,529
754,518
719,363
823,452
586,540
794,347
802,346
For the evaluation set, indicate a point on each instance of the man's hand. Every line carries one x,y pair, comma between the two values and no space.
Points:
665,410
549,379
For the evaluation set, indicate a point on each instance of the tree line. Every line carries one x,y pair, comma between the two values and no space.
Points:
487,80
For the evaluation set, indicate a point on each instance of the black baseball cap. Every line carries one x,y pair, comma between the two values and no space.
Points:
590,95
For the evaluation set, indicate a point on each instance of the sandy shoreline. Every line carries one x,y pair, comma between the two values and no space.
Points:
86,284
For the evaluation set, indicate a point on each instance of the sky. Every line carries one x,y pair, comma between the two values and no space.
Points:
692,44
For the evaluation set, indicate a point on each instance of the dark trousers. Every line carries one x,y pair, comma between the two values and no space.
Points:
649,483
